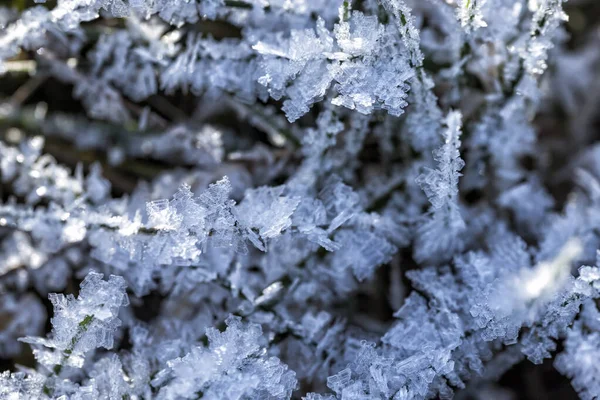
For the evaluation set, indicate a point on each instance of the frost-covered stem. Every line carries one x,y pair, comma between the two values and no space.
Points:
57,369
469,15
545,20
82,328
408,32
548,11
422,91
9,217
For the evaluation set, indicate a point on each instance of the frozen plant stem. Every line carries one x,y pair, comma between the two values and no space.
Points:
81,329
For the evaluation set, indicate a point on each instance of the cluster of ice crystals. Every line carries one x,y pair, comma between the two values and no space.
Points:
233,366
470,15
81,324
20,385
362,252
265,210
578,360
546,19
372,375
359,59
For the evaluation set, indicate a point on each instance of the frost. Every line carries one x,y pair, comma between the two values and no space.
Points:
232,366
439,237
327,199
373,375
362,252
81,324
267,211
19,385
546,19
97,187
470,15
578,360
358,59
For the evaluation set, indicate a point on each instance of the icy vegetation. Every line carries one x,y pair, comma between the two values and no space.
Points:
307,199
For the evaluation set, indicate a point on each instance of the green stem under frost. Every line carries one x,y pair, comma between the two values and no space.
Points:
81,329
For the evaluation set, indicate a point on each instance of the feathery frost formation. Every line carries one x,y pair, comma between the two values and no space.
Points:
316,199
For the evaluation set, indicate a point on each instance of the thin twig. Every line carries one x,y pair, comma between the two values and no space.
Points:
27,89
